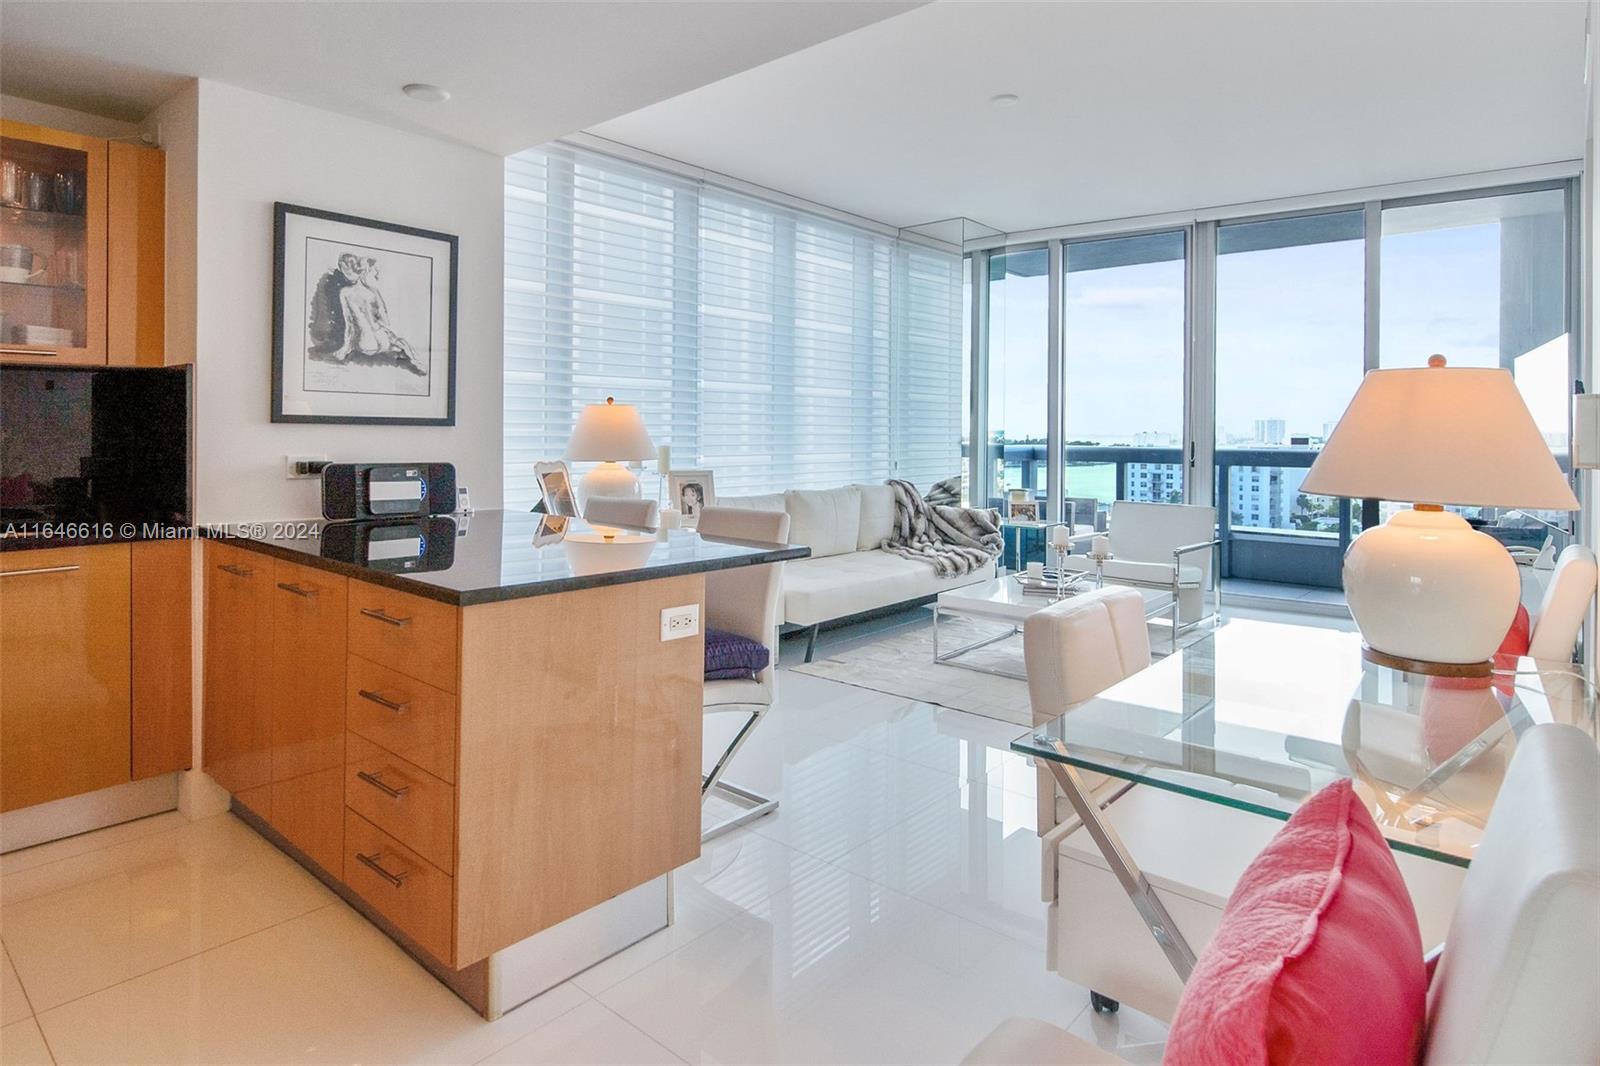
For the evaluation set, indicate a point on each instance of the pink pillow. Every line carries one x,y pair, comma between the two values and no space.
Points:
1318,958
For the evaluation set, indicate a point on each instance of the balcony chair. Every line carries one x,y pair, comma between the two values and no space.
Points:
1516,979
746,601
1170,547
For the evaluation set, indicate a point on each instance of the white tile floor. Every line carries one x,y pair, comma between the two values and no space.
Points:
888,912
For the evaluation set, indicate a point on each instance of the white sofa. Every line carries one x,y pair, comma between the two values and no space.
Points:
847,574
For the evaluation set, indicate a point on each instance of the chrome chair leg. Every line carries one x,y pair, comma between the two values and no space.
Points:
756,805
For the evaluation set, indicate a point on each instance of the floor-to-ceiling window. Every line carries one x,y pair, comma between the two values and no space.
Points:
780,348
1122,325
1018,371
1290,342
1483,282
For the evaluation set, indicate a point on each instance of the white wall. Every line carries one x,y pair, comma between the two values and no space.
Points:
254,150
64,118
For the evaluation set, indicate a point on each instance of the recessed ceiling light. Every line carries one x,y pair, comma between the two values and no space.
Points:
1004,99
430,94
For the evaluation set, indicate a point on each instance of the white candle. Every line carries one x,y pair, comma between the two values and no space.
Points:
1036,571
670,519
1102,545
663,457
1061,537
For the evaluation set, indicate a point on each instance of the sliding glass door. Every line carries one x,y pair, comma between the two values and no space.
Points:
1290,339
1122,349
1018,371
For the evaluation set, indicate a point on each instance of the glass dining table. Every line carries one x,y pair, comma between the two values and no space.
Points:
1259,716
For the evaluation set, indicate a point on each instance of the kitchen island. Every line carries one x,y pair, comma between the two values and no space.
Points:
478,730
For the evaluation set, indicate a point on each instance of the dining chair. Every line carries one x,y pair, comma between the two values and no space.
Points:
1565,605
620,511
1516,979
744,601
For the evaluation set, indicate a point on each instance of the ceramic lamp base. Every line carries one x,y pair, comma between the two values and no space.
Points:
608,479
1427,588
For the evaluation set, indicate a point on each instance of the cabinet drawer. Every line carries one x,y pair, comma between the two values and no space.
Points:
413,635
409,804
415,721
403,886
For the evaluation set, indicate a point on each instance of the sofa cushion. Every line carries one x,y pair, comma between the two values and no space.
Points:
771,501
825,520
877,516
820,590
1318,957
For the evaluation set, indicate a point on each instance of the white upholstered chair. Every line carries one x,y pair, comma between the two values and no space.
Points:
1074,649
1168,546
621,511
746,600
1517,980
1565,605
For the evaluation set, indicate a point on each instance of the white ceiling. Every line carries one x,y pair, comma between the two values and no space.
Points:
1136,108
521,73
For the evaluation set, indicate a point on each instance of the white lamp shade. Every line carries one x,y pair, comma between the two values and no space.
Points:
1440,435
610,432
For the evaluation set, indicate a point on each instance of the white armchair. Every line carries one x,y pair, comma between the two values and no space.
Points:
1172,547
1565,605
746,601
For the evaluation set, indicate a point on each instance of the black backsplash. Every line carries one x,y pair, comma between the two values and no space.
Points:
101,445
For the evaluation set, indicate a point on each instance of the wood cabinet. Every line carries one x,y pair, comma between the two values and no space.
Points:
236,710
307,709
82,249
162,618
474,775
65,647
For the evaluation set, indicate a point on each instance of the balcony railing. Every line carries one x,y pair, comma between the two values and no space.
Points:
1295,543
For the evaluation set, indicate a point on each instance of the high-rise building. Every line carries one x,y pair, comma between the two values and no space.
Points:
1270,431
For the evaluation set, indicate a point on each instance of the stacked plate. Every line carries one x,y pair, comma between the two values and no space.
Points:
48,336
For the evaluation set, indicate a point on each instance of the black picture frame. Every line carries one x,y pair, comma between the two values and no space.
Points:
282,213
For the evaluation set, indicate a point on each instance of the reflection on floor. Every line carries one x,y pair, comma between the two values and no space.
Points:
888,912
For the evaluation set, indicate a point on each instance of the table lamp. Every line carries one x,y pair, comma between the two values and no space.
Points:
1429,593
610,434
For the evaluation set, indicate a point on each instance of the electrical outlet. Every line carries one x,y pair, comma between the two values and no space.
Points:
680,622
296,467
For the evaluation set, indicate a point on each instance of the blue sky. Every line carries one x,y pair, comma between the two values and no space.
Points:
1289,334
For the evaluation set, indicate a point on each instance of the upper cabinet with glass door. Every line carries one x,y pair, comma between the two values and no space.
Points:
81,249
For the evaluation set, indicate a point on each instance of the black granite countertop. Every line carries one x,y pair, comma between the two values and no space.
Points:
490,556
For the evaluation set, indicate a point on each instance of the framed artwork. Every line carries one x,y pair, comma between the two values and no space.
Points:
363,321
556,483
691,492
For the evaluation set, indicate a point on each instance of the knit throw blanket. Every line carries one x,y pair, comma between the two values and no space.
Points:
952,540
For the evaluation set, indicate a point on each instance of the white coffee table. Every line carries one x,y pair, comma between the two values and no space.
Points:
1000,600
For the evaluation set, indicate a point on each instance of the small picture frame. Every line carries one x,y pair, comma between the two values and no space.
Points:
555,482
691,492
1023,510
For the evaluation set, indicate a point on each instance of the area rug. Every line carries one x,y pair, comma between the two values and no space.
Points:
901,664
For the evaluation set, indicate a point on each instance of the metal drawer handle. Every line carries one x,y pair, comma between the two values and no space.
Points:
376,781
298,590
236,571
378,613
371,862
383,701
7,350
40,570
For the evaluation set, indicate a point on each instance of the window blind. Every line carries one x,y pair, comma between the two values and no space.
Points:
776,348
